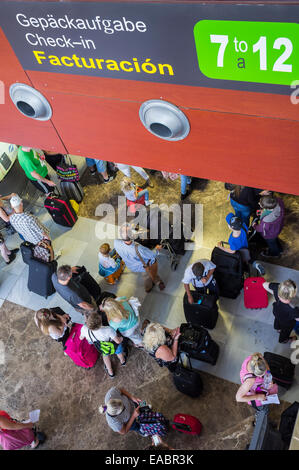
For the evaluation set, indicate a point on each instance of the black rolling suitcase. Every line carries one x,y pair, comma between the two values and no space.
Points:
26,251
187,380
61,210
72,190
287,422
229,272
204,314
39,278
281,368
197,343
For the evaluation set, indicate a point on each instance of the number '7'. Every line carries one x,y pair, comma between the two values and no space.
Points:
221,39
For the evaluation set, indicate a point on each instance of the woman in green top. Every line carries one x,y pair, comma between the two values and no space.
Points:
122,317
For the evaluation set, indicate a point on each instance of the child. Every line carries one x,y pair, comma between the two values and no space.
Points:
133,193
238,238
110,264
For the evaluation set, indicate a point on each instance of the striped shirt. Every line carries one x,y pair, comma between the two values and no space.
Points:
29,227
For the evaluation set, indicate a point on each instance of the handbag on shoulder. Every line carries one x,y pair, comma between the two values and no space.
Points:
105,347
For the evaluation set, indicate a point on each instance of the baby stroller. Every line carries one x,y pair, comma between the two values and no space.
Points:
150,236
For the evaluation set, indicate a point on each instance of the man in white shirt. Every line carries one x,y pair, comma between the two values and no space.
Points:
138,259
200,275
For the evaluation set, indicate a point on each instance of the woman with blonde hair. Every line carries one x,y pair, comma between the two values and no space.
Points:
254,388
53,322
286,315
162,344
123,316
133,193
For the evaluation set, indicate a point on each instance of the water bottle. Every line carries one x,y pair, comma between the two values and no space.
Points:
267,380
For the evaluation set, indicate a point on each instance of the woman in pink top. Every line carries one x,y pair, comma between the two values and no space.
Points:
252,374
14,435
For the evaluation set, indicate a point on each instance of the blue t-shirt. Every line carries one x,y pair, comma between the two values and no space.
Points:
239,242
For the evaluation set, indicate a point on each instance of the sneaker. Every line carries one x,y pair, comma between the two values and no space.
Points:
149,202
111,178
161,285
259,267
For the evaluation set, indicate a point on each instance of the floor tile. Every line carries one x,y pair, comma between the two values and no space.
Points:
230,305
222,330
275,273
7,283
253,335
157,308
16,267
84,230
72,249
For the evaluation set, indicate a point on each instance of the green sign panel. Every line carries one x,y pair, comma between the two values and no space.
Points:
260,52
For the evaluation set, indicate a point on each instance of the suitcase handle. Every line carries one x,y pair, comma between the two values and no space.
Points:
189,360
180,426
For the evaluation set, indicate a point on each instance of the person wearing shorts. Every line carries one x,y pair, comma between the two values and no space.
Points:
99,166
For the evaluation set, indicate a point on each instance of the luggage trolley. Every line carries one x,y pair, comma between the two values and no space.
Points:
171,254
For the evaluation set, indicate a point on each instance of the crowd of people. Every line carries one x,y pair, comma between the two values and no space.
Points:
116,321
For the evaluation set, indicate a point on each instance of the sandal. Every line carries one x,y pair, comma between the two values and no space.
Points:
111,376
